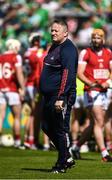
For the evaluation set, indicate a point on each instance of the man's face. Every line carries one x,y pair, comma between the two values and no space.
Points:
36,43
97,40
58,33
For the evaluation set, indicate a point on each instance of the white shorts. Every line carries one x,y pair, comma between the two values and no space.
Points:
30,92
79,102
94,98
10,98
109,95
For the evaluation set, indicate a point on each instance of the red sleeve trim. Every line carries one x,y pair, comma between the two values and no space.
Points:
63,82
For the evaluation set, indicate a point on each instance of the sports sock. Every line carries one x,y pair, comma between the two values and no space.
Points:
31,140
104,152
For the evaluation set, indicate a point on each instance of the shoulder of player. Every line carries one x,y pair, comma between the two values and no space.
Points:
27,54
107,49
84,51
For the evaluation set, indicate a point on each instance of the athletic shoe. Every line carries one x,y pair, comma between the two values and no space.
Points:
107,158
46,147
22,147
17,143
27,144
62,168
33,147
58,169
70,163
75,153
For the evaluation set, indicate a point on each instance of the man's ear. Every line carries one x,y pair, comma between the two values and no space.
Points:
66,34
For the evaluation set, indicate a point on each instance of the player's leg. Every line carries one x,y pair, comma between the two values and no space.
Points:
75,124
2,116
46,143
16,107
108,134
29,126
3,106
99,117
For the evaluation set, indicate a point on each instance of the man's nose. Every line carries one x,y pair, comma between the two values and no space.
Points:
53,32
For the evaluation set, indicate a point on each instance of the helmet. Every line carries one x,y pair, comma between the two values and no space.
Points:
13,45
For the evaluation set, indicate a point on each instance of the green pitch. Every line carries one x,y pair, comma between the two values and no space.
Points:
31,164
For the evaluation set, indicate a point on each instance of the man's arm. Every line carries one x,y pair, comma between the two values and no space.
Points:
20,79
84,79
81,76
83,60
69,60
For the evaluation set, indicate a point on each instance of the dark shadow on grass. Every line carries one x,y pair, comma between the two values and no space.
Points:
36,169
49,170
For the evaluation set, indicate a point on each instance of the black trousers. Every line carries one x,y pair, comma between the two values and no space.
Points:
56,126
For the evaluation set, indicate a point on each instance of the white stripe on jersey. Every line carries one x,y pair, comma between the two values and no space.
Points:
47,64
81,57
19,60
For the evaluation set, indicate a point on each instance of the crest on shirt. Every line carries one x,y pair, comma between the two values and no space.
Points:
100,60
52,58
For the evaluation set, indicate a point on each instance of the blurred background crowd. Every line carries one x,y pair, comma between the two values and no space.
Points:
18,18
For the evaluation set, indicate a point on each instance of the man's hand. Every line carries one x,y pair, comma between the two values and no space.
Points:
95,85
59,105
105,85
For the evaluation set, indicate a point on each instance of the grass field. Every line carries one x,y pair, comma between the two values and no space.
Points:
35,164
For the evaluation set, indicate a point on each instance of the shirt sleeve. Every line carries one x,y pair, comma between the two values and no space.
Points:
69,60
83,57
18,60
